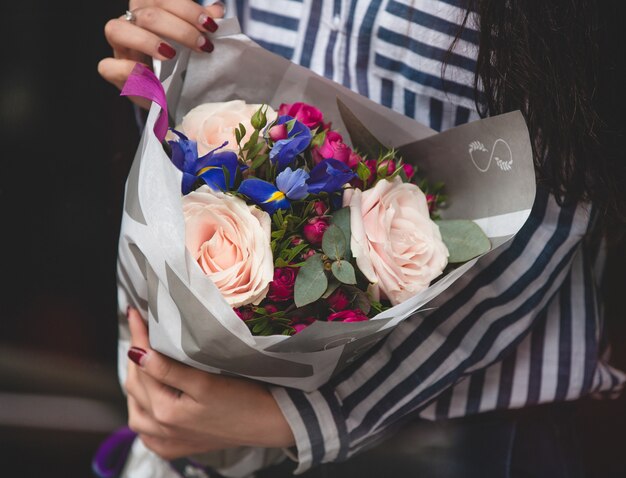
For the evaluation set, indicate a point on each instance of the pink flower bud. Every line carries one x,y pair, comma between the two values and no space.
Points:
278,132
351,315
270,309
281,288
307,254
338,300
296,241
320,208
314,230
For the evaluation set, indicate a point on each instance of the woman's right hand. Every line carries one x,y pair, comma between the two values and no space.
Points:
154,24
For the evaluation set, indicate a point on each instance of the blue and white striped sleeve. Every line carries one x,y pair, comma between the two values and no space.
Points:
480,319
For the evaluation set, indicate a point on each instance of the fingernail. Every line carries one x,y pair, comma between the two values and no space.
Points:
208,23
167,51
127,311
205,44
137,355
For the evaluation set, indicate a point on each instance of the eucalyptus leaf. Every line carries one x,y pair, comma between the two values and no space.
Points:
311,281
341,219
343,272
464,239
334,242
362,139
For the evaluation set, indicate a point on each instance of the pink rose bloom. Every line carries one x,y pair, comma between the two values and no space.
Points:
211,124
338,300
352,315
335,148
231,243
396,244
309,115
281,288
314,229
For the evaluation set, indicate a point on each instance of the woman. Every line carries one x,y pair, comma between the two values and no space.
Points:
526,327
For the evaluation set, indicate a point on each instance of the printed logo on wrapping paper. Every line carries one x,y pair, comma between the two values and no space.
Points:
500,153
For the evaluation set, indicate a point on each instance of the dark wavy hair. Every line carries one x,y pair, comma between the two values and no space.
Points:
558,62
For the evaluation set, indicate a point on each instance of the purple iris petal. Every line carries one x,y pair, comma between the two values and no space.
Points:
264,194
285,151
329,176
208,167
293,183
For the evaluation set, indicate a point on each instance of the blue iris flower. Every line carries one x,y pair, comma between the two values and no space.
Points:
291,186
293,183
298,139
329,176
210,167
264,194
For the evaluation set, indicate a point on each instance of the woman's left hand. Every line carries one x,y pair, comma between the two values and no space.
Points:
178,410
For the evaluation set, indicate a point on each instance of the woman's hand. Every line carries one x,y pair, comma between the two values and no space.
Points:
179,411
154,23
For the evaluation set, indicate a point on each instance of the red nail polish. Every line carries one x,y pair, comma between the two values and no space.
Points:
137,355
210,24
207,46
167,51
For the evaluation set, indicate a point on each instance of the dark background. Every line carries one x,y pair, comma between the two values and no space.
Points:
67,140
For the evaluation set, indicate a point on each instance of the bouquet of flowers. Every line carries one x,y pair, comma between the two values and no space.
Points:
293,225
277,225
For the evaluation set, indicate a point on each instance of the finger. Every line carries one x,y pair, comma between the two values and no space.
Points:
169,372
124,38
116,72
167,25
196,15
141,422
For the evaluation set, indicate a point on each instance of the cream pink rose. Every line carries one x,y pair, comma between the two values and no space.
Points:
231,242
396,244
211,124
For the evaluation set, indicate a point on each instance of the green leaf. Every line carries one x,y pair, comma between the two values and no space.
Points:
343,272
259,160
311,281
341,219
334,242
464,240
362,139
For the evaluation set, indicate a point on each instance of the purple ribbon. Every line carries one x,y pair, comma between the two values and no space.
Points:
144,83
111,455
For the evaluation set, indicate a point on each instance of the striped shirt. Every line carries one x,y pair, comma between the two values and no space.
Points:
523,327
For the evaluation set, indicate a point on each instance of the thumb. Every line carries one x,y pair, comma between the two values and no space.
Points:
138,329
